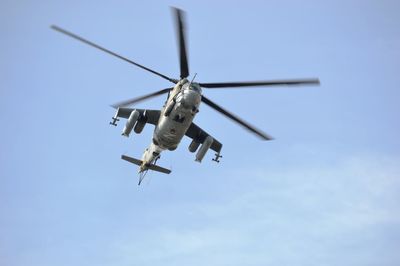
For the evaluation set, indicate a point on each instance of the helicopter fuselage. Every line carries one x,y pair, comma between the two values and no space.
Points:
176,117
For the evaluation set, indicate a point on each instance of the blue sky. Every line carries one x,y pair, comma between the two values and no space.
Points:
325,192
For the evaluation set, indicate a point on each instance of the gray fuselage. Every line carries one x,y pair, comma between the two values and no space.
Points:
175,118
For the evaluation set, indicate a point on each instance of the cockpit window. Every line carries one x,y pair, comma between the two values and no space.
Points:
195,87
179,118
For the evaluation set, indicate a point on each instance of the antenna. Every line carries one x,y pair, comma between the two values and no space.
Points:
195,74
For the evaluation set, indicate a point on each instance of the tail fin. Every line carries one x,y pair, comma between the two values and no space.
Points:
150,166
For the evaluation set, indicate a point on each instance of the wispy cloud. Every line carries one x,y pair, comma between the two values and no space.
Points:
330,215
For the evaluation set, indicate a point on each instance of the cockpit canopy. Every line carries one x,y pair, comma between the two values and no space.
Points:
193,86
196,87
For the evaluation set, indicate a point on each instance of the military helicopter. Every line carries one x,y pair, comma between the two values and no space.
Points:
175,119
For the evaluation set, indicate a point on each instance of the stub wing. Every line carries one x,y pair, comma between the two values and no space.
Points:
199,135
152,116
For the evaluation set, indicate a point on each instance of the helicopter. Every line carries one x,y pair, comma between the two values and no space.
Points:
175,119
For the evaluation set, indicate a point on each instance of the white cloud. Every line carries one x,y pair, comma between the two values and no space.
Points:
328,215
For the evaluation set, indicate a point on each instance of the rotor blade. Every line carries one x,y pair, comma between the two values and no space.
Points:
235,118
180,30
110,52
292,82
139,99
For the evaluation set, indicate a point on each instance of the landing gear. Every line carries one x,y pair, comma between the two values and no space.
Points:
217,156
114,121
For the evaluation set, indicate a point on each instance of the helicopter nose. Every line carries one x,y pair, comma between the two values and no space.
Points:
191,98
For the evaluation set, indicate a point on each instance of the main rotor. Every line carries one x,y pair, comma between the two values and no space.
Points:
184,73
